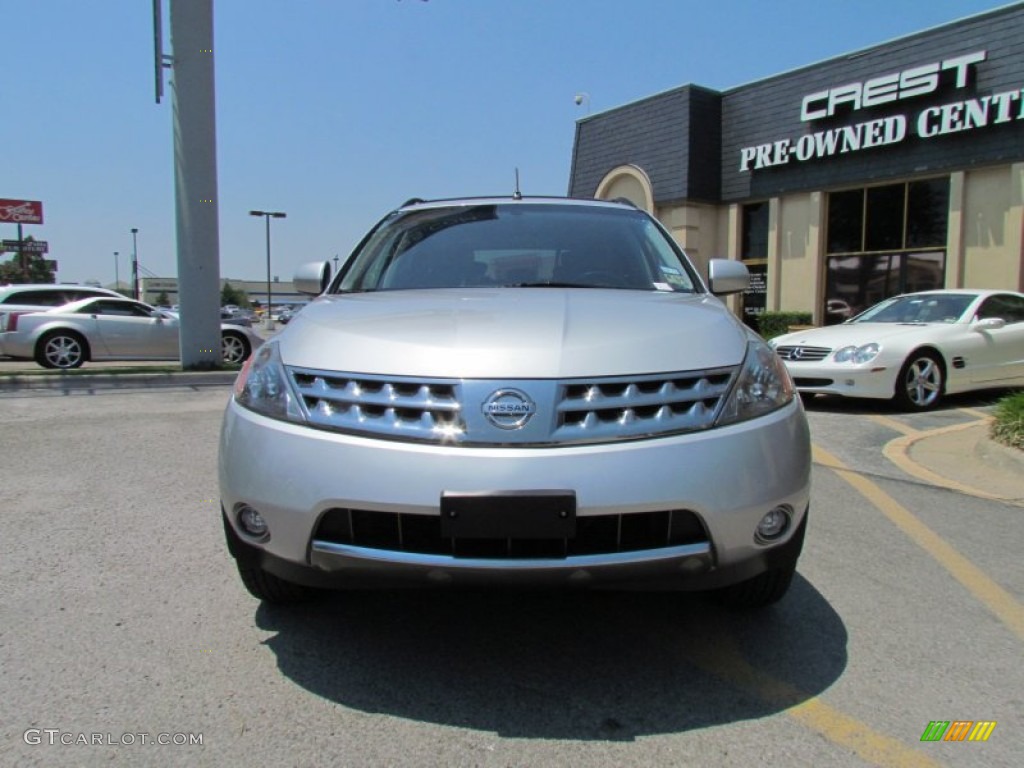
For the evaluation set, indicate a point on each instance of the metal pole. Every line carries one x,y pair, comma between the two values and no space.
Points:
135,264
117,273
193,110
22,261
267,215
270,321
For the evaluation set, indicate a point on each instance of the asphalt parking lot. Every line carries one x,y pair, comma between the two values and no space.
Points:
121,616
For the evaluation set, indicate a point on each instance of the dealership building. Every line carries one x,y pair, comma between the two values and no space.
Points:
895,168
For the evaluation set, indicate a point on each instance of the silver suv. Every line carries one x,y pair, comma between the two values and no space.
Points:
517,392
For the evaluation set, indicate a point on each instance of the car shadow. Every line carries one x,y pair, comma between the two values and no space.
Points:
568,665
864,406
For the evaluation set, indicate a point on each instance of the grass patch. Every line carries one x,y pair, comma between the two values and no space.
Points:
1008,427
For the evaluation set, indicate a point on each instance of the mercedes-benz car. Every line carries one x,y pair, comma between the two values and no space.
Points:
914,348
516,391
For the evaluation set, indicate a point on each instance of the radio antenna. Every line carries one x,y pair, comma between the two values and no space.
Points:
517,195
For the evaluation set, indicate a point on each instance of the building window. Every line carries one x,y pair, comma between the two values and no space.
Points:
754,253
755,231
882,241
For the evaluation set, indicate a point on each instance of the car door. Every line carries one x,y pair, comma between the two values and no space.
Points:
1000,355
130,330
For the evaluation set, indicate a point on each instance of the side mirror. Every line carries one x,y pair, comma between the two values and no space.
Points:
313,277
990,324
726,276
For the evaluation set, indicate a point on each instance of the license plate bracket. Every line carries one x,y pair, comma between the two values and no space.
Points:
540,514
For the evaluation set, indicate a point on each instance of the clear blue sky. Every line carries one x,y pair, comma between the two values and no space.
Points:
336,111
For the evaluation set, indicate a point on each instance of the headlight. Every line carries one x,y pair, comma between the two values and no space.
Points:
862,354
763,386
262,386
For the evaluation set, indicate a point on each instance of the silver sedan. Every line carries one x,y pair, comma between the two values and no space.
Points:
100,329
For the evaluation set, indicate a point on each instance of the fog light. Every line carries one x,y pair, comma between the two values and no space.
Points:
252,522
773,524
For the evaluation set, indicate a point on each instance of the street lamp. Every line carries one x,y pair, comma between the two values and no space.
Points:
268,215
135,264
117,274
335,264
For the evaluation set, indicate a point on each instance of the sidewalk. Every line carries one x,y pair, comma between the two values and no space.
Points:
18,376
963,458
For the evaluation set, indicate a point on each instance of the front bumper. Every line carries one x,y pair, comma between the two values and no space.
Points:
728,478
872,380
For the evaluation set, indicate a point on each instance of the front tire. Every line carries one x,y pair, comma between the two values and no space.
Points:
759,592
62,349
234,348
270,589
921,382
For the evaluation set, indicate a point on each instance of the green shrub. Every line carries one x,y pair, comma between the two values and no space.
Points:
770,324
1008,428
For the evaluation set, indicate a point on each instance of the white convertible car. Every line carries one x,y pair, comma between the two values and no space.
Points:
914,348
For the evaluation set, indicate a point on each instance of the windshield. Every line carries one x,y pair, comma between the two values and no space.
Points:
918,308
519,245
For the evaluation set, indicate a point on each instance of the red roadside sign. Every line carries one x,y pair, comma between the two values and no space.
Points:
21,211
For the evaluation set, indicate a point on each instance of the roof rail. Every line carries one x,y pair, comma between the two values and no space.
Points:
624,201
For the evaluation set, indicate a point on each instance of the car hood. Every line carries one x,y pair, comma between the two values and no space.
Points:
855,334
518,333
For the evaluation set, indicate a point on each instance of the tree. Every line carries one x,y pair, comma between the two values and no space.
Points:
35,269
231,295
162,300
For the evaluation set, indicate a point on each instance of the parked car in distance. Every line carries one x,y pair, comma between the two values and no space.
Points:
39,297
914,348
516,391
235,318
107,328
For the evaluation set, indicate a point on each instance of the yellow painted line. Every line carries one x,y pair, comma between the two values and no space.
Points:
898,452
724,660
842,729
993,596
898,426
976,413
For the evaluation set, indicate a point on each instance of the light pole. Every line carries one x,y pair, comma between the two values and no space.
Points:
135,264
117,273
268,215
335,265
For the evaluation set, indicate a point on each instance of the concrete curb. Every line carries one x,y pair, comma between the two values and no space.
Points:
108,381
962,458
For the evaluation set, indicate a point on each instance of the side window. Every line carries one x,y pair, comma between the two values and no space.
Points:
44,298
78,295
1009,308
140,311
114,308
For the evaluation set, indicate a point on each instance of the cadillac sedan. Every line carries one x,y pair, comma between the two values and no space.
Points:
914,348
517,392
101,329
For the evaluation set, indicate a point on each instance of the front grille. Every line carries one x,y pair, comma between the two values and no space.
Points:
566,411
641,405
803,354
409,408
595,535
